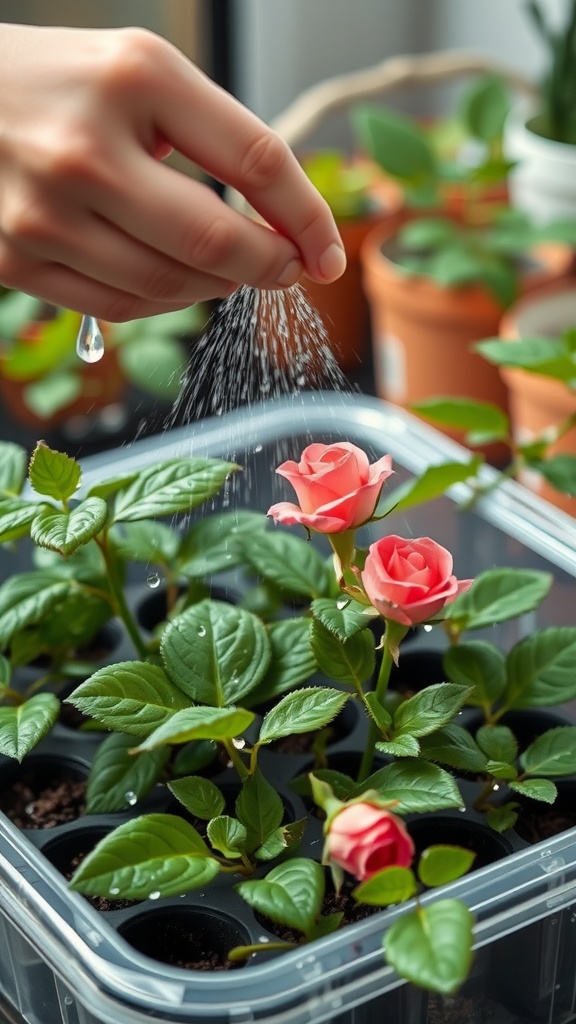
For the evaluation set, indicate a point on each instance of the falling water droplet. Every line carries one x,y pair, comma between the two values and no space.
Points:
90,343
130,798
201,630
154,895
153,580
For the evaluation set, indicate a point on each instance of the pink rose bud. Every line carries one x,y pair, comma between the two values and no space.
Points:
364,839
410,581
336,486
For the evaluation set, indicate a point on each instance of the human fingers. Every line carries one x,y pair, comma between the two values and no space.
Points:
99,251
209,236
62,286
232,144
159,87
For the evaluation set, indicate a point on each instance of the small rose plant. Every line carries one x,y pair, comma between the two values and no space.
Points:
217,683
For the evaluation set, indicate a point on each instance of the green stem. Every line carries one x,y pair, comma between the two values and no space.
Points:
381,688
120,605
236,759
243,952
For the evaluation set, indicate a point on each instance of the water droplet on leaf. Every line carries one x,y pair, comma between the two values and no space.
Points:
201,630
130,798
153,580
154,895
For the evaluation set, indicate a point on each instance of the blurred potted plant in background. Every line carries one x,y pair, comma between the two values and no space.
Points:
43,382
540,134
442,282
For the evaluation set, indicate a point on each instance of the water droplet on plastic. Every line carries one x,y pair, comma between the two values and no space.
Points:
257,449
90,343
201,630
154,895
130,798
68,1000
153,580
238,743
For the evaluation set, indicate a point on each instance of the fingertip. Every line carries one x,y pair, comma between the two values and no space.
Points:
332,262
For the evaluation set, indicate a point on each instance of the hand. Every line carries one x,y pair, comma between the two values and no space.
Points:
90,217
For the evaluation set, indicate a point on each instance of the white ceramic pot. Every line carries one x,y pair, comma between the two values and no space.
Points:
543,184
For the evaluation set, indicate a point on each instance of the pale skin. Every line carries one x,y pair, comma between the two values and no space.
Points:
93,220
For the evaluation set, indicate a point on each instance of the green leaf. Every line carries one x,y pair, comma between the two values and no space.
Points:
552,753
129,696
65,531
15,518
391,885
541,669
455,747
199,796
502,818
199,723
118,778
13,465
302,711
216,652
429,709
501,770
291,893
292,661
53,473
290,562
417,786
477,664
5,672
177,485
432,945
259,808
395,142
484,108
498,595
25,598
403,746
350,661
342,621
341,784
106,488
22,727
465,414
193,756
441,864
536,789
379,713
428,233
434,482
154,364
146,542
228,835
155,853
559,471
283,838
498,742
48,395
217,543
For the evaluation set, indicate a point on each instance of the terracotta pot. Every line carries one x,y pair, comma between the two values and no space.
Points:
538,403
343,306
422,332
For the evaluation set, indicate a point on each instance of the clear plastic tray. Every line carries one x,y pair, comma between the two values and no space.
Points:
61,962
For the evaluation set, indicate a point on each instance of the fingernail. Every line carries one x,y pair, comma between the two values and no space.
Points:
332,262
290,275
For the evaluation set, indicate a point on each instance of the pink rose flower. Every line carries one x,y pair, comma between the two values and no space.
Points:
336,486
364,839
410,581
